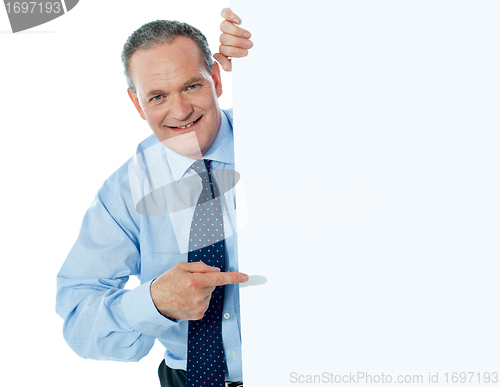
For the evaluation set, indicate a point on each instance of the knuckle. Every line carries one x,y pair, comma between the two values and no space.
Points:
200,312
198,301
226,26
190,283
195,264
225,50
231,279
230,29
180,265
198,316
219,280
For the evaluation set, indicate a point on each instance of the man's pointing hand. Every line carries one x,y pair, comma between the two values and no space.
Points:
184,291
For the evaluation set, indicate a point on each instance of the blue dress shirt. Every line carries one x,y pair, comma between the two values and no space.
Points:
139,225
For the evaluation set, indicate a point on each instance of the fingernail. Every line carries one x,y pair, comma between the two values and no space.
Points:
246,35
236,20
244,278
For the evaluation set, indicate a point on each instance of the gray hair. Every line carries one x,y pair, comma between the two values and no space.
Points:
162,31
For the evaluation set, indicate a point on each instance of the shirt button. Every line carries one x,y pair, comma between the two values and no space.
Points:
226,315
234,355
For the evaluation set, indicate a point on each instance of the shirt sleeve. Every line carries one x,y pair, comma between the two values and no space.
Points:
101,319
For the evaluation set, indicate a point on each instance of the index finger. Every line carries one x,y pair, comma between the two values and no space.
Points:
209,280
230,15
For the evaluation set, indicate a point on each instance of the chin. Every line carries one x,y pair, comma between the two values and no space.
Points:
185,144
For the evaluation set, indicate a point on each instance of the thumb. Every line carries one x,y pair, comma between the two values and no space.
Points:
224,61
200,267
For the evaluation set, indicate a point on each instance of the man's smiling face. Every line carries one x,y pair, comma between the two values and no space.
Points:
177,96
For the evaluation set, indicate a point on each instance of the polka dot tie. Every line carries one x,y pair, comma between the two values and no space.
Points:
205,360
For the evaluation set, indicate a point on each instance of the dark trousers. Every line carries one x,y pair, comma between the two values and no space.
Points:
177,378
170,377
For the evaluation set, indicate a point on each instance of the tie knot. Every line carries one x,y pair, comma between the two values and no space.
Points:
201,166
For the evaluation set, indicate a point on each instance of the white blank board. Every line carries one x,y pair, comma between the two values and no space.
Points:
367,140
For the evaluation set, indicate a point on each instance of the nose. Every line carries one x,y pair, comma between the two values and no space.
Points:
180,109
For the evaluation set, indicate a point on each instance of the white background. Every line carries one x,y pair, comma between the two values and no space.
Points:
67,123
393,102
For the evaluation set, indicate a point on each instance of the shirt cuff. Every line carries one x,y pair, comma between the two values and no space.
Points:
141,313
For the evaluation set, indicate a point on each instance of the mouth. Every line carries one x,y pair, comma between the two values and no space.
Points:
185,126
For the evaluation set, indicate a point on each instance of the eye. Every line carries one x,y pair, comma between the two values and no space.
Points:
156,98
194,87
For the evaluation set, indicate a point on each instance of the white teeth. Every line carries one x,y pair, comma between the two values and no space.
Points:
188,125
185,126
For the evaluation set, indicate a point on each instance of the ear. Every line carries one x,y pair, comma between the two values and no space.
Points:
216,79
135,100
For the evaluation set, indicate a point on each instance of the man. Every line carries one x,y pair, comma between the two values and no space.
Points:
143,219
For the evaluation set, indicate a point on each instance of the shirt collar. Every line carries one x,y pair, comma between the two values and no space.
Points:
222,150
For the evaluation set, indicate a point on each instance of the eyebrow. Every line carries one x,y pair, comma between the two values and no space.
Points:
190,81
193,80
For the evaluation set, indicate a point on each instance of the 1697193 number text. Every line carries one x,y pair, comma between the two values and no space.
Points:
33,7
471,377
